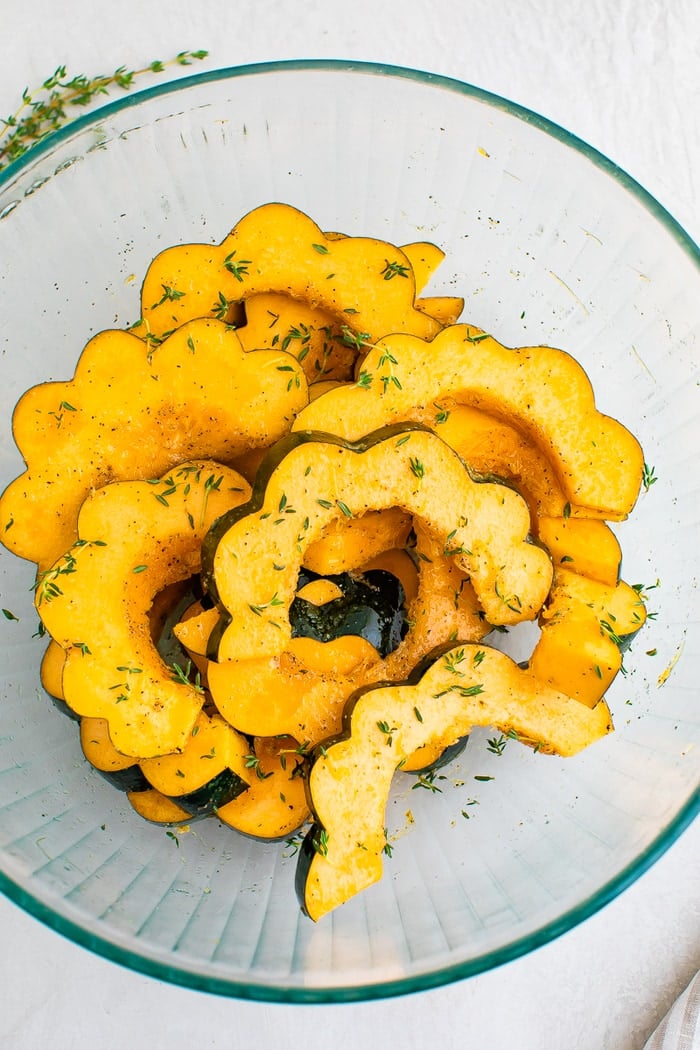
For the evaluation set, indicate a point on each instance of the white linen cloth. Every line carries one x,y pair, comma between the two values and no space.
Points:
680,1028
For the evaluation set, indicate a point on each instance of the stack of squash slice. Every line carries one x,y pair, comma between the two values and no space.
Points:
275,521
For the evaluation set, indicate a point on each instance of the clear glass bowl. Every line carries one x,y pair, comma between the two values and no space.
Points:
550,243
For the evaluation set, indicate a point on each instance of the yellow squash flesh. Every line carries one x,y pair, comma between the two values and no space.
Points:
135,539
255,560
276,248
467,686
130,415
582,630
540,390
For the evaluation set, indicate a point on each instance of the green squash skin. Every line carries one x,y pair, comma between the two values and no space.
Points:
204,801
372,607
129,779
305,857
448,755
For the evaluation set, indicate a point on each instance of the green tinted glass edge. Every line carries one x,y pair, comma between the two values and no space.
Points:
371,69
605,894
358,993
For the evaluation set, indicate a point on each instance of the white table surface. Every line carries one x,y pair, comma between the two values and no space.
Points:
625,76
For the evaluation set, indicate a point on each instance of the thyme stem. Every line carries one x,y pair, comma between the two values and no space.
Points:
45,109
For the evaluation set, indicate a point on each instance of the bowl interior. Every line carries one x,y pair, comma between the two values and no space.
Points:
549,244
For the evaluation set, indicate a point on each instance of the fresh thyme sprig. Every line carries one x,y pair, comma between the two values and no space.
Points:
649,477
497,744
47,107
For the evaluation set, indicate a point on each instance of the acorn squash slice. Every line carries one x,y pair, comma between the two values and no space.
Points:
275,805
192,632
208,772
277,248
281,695
347,543
127,416
492,447
466,686
541,390
303,691
584,628
157,808
585,546
425,258
136,537
252,556
121,771
311,335
444,308
51,672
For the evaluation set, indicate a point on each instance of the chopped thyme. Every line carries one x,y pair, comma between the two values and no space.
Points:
452,659
463,690
356,340
513,603
607,629
417,467
469,338
221,307
169,295
450,551
259,609
648,477
182,675
237,267
253,762
427,781
212,484
64,406
496,745
388,731
395,269
320,842
46,586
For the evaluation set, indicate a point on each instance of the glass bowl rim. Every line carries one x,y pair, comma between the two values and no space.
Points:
331,993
